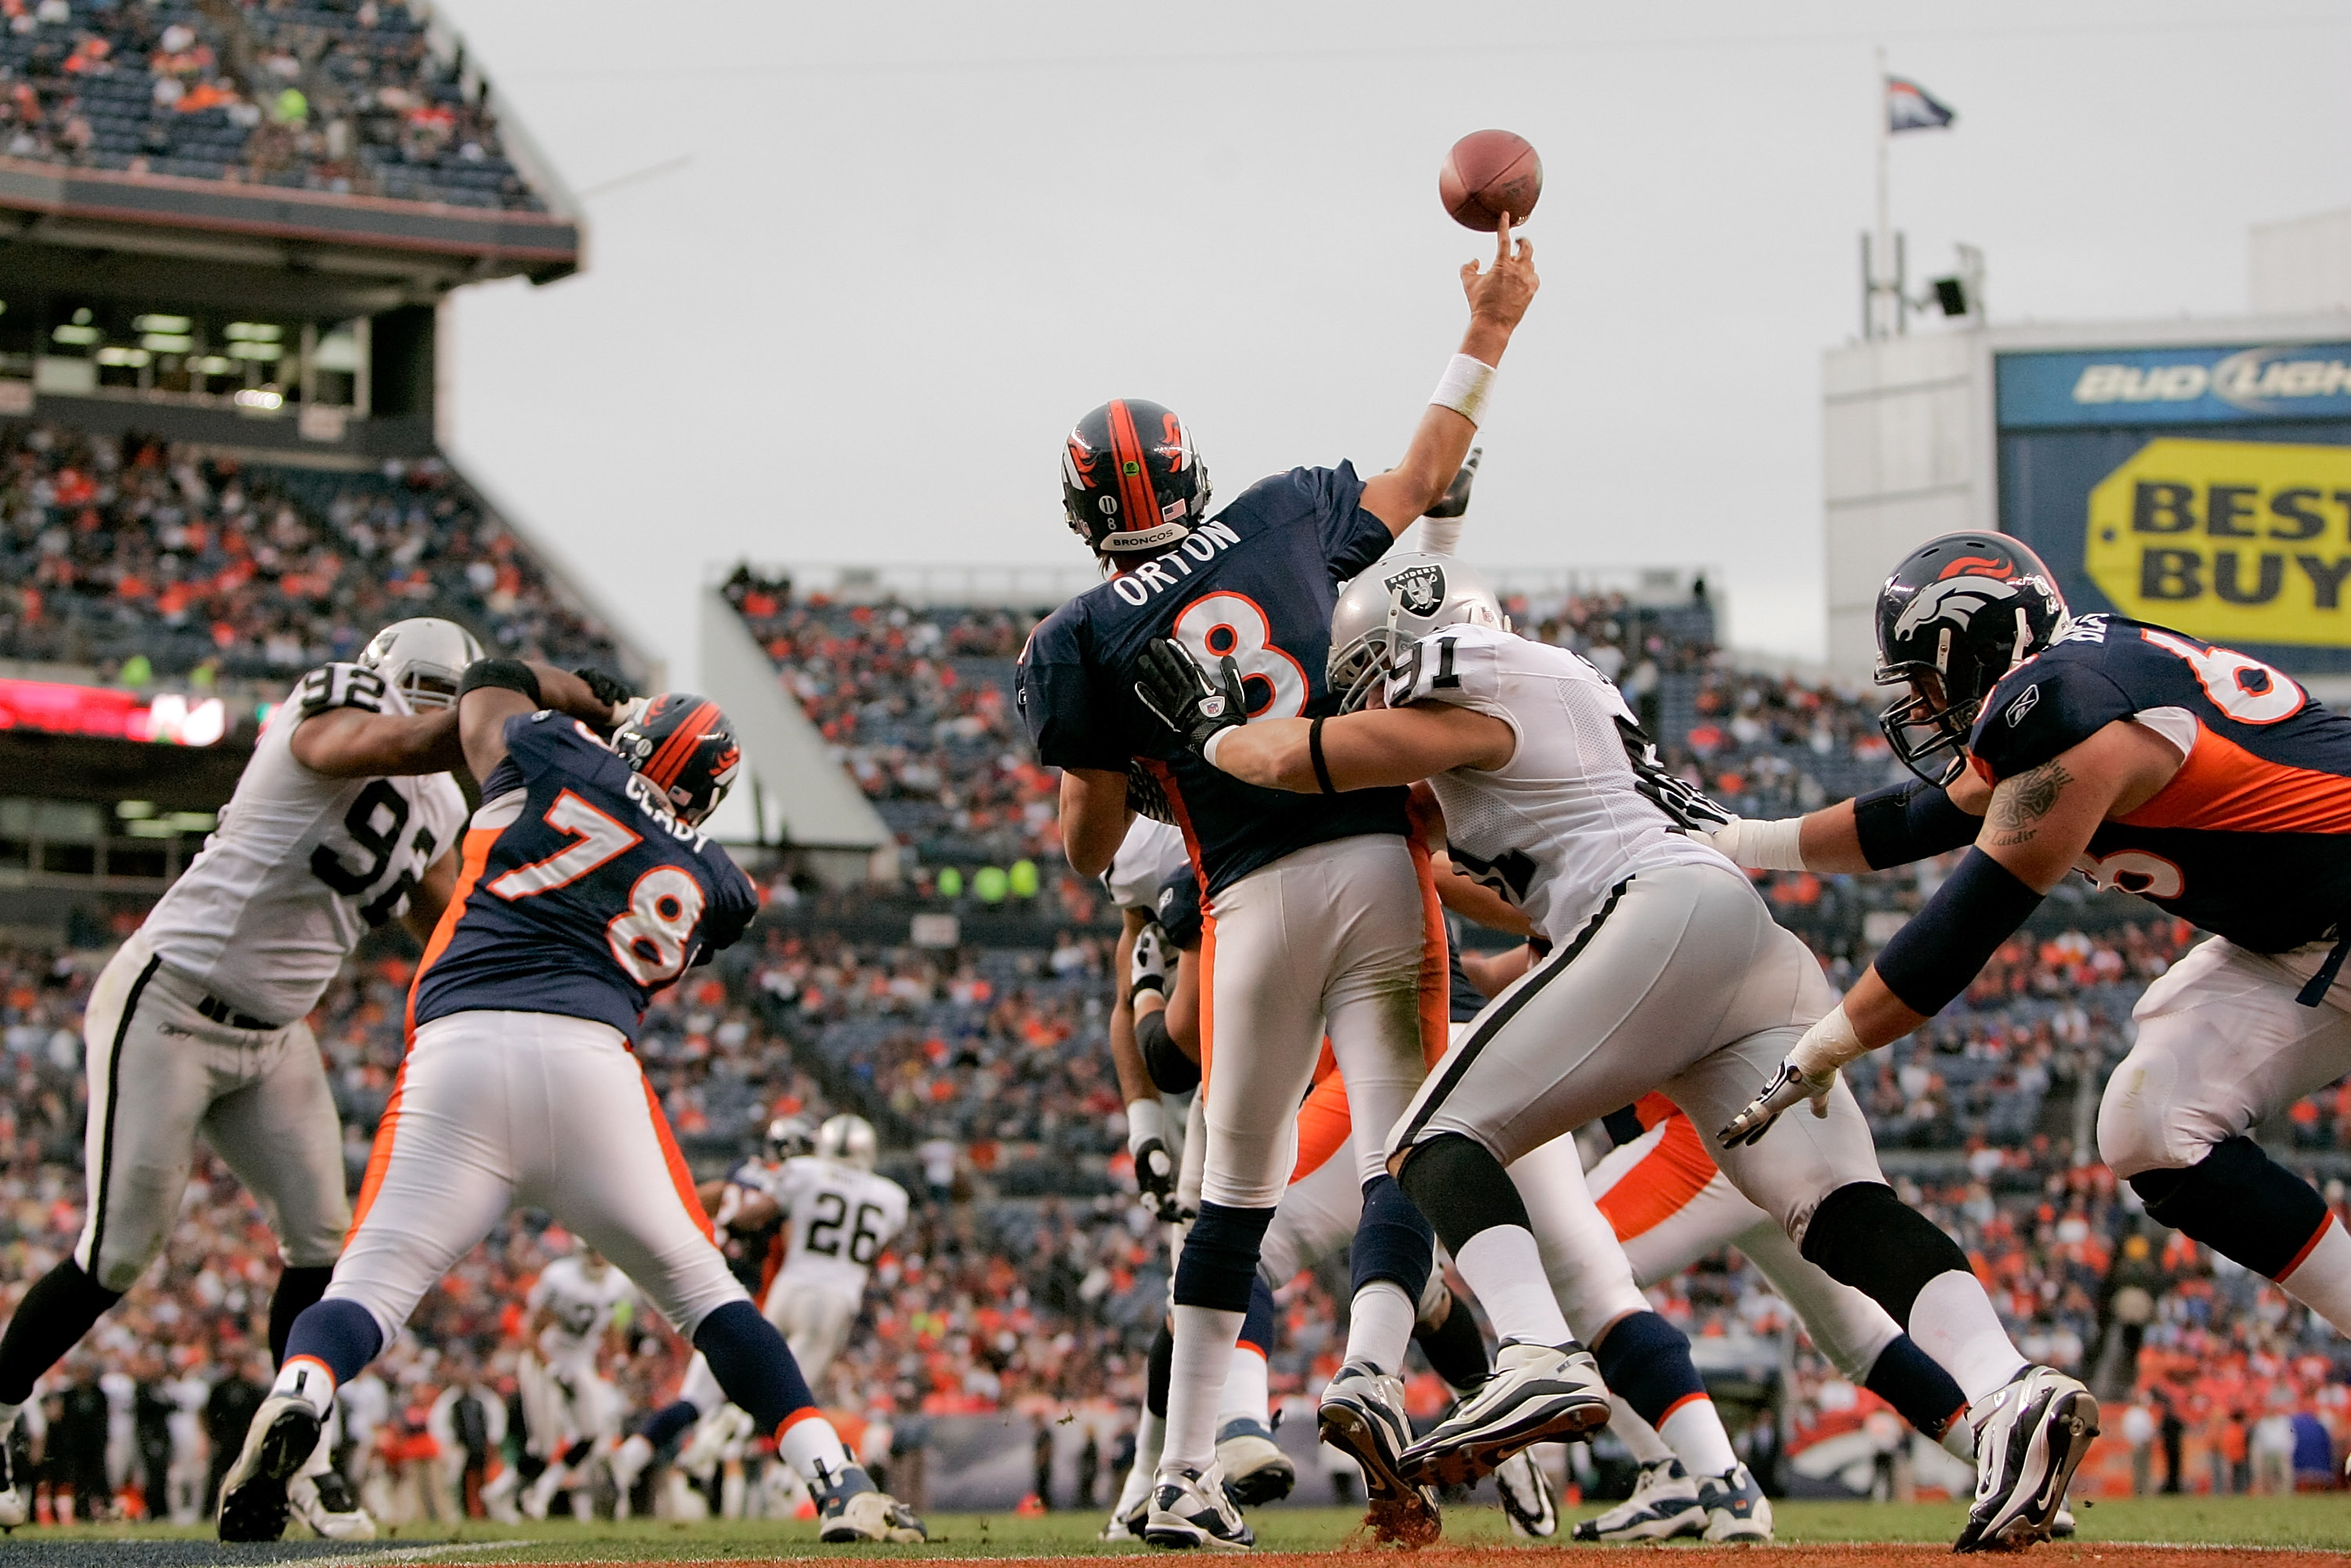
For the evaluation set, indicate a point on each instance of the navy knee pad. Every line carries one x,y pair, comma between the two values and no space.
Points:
1863,1236
1645,1361
1916,1385
1461,1189
1393,1240
753,1364
2242,1203
1219,1261
1257,1323
1159,1370
341,1335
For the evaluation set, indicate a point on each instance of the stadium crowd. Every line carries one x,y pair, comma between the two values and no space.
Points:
341,96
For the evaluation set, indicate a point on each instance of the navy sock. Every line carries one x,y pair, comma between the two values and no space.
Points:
753,1364
669,1421
1257,1323
1393,1240
1915,1384
2242,1203
341,1334
1646,1361
1219,1260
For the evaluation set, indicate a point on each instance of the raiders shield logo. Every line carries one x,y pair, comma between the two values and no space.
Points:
1418,590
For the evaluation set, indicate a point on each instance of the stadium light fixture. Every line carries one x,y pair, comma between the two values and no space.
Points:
166,344
76,332
134,811
132,357
161,323
259,397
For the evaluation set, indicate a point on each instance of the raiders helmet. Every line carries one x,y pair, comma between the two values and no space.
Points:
686,747
1394,604
1131,479
788,1137
421,659
1961,612
849,1139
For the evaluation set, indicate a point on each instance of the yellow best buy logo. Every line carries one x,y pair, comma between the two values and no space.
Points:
2233,541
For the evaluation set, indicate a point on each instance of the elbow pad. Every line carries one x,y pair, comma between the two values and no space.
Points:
1938,952
1171,1072
1909,821
512,674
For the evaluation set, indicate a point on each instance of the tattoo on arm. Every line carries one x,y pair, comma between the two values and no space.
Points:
2018,805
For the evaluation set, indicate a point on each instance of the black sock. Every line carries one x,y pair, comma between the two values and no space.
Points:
50,1320
296,1289
2242,1203
1916,1385
1159,1370
1455,1349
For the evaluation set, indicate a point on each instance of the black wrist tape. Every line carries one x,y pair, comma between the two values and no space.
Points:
1909,821
1940,949
512,674
1314,752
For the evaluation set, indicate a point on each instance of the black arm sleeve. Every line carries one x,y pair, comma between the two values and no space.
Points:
1939,951
1171,1072
1909,821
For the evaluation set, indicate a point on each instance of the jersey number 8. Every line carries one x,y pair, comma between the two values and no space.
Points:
1217,624
654,938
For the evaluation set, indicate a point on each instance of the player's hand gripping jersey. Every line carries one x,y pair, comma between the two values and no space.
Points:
840,1218
1257,582
580,894
2248,840
1579,807
302,865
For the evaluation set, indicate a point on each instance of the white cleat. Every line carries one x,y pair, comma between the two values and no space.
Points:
868,1515
1735,1508
1256,1469
1664,1505
1189,1511
254,1502
327,1504
2031,1436
1362,1415
1537,1394
13,1511
1528,1501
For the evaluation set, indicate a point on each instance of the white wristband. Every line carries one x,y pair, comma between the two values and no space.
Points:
1828,1045
1762,845
1145,1119
1208,752
1464,387
1441,536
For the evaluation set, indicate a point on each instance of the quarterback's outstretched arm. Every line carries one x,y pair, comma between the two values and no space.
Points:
1498,298
2038,824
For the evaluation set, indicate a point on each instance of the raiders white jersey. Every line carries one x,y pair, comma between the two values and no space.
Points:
300,864
1149,854
840,1218
581,1307
1568,816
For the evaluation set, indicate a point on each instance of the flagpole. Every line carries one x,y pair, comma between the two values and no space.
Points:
1879,327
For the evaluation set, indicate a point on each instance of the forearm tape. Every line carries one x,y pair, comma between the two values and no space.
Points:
1906,822
511,673
1941,948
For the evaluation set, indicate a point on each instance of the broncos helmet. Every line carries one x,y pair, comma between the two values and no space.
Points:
421,658
849,1139
1397,602
685,749
788,1137
1130,477
1961,612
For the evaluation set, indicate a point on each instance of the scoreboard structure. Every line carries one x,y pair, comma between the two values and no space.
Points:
2197,474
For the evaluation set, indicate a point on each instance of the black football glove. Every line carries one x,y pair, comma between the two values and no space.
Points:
609,690
1154,1174
1172,685
1456,494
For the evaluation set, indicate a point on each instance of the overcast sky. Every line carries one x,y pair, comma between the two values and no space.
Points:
909,244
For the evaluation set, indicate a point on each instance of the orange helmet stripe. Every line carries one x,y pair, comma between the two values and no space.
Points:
1135,495
665,765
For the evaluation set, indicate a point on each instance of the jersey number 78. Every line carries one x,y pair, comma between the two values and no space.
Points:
652,938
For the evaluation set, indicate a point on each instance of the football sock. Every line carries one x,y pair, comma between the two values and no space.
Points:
1205,1337
1157,1368
1149,1430
338,1335
309,1379
1638,1437
1245,1392
1911,1380
1455,1349
1647,1360
297,1289
1504,1268
50,1320
810,1446
670,1420
1953,1321
1379,1325
2322,1280
754,1365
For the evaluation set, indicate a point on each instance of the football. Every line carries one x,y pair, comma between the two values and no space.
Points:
1488,173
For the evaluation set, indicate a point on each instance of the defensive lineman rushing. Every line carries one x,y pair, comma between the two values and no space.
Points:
586,884
1667,972
345,817
2204,780
1258,582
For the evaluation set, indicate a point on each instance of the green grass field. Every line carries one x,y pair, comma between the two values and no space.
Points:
2320,1521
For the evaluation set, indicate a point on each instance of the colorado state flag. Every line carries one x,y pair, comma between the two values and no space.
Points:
1909,107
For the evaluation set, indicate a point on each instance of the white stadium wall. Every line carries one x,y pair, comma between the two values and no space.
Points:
2300,265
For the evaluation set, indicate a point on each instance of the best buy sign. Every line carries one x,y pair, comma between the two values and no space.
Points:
2233,541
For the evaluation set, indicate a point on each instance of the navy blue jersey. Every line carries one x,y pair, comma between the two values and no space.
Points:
1464,1000
577,893
1259,581
2251,838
